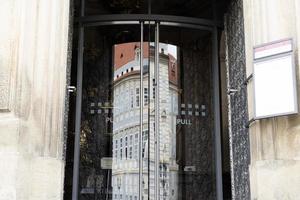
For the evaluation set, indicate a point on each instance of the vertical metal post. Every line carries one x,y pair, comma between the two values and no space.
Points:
217,118
157,113
76,161
217,107
141,114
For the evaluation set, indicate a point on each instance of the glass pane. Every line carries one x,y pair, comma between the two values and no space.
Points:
110,133
187,8
186,116
106,7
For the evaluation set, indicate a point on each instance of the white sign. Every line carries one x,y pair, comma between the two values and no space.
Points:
106,163
274,80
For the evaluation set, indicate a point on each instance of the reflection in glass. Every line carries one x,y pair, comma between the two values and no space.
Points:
126,121
109,160
126,129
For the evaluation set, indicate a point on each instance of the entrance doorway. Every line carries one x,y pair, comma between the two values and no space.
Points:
147,121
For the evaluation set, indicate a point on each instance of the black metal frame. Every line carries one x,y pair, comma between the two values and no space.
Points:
164,20
148,17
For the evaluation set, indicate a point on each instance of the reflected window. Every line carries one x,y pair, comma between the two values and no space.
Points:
137,54
126,143
131,99
137,97
145,96
136,141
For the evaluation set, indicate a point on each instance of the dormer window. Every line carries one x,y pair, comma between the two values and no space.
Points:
137,54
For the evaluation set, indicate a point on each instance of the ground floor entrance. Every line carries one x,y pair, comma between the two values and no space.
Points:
147,120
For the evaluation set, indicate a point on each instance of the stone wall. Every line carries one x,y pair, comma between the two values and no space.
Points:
274,142
238,115
33,63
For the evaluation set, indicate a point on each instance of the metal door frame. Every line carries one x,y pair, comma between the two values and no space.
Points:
160,20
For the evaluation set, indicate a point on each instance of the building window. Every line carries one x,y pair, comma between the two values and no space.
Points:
116,154
121,145
130,152
145,96
137,97
126,145
137,54
116,149
130,139
130,146
131,98
145,140
136,142
173,68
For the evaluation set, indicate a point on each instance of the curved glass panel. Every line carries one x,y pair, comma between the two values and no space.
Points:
187,163
110,121
170,153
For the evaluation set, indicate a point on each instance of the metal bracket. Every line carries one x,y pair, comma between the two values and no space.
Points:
248,79
231,91
71,89
250,122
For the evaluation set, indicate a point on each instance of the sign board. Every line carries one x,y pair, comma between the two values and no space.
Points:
106,163
274,77
189,168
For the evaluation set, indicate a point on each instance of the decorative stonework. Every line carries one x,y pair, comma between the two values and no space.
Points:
238,109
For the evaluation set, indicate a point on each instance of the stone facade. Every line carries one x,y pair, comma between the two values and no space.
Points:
33,54
274,142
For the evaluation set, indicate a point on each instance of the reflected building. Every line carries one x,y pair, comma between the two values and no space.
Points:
126,117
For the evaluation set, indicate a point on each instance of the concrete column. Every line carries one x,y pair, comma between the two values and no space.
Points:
274,142
33,62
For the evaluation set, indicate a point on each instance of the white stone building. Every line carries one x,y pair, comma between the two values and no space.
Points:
125,173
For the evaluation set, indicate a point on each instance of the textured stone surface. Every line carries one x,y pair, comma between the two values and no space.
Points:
274,142
8,43
238,115
33,62
276,179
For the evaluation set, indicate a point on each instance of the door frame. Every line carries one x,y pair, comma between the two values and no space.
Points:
163,20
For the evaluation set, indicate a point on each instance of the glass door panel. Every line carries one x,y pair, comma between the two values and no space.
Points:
113,98
147,117
186,140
